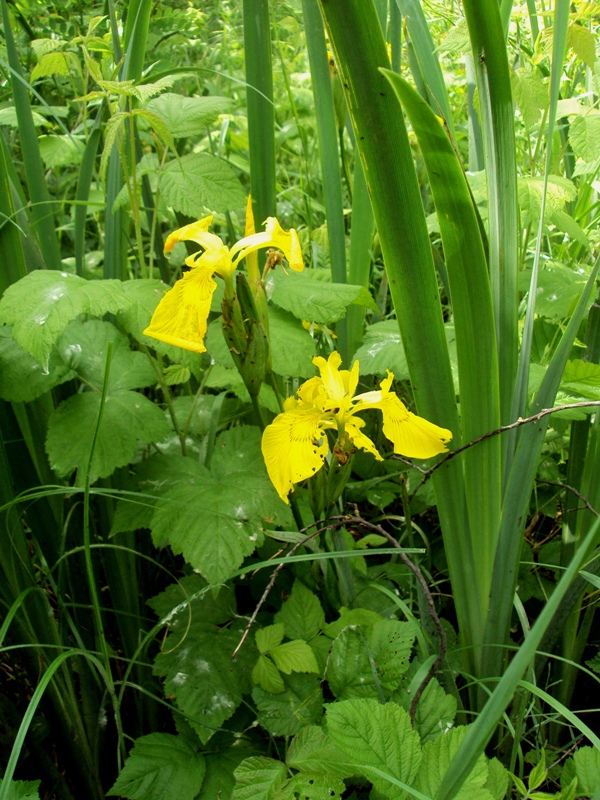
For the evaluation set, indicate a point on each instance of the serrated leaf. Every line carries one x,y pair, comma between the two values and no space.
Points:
312,750
266,675
144,295
352,616
307,786
194,413
437,755
8,116
176,374
41,305
587,769
382,350
583,42
435,711
22,790
309,295
268,638
369,659
128,417
294,656
301,613
558,289
60,151
375,735
22,378
198,181
582,377
161,767
219,774
111,131
498,779
223,378
158,125
200,673
530,94
584,135
55,63
285,714
538,774
42,46
258,778
83,347
559,191
564,222
293,348
191,597
188,116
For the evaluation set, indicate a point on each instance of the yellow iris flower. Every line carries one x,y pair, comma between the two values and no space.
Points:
295,444
181,316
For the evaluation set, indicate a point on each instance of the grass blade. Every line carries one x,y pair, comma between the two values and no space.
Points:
361,242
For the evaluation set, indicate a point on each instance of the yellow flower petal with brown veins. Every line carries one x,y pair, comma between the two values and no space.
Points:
412,436
181,316
358,438
294,447
188,232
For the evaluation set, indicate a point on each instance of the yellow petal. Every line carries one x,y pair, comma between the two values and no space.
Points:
332,378
412,436
357,437
249,228
181,316
188,232
294,447
287,241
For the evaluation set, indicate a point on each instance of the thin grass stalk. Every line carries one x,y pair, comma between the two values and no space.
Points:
41,203
12,257
429,64
476,161
381,135
361,243
328,152
481,731
473,324
82,194
394,36
261,111
497,116
518,492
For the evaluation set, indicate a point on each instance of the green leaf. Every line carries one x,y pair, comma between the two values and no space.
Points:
558,289
437,755
111,133
200,673
268,638
584,135
559,191
219,780
198,181
375,735
128,417
294,656
22,790
266,675
530,94
83,347
587,768
258,778
538,774
293,348
144,295
22,378
176,374
8,116
307,786
55,63
188,116
301,613
223,378
583,42
582,377
367,659
498,779
287,713
41,305
382,350
310,295
191,596
161,767
60,151
312,750
352,616
435,711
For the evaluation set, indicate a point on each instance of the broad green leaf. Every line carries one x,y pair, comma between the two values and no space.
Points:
435,711
530,94
312,750
382,350
285,714
55,63
191,597
60,151
200,673
301,613
219,779
224,378
238,450
83,347
559,191
352,616
199,181
22,378
128,417
188,116
42,46
268,638
367,659
558,289
587,768
258,778
194,412
23,790
584,135
8,116
375,735
583,42
311,786
266,675
437,755
582,377
111,133
292,348
498,779
41,305
310,295
161,767
176,374
564,222
294,656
